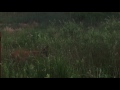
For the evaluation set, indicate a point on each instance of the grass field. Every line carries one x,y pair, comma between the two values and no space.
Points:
75,50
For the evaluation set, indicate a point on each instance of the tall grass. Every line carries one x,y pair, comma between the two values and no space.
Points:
75,51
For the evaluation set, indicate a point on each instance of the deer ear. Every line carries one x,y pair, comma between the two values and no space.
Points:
45,51
45,47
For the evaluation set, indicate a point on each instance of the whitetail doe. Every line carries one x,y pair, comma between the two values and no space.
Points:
23,54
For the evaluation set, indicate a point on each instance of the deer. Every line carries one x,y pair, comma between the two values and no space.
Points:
21,55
